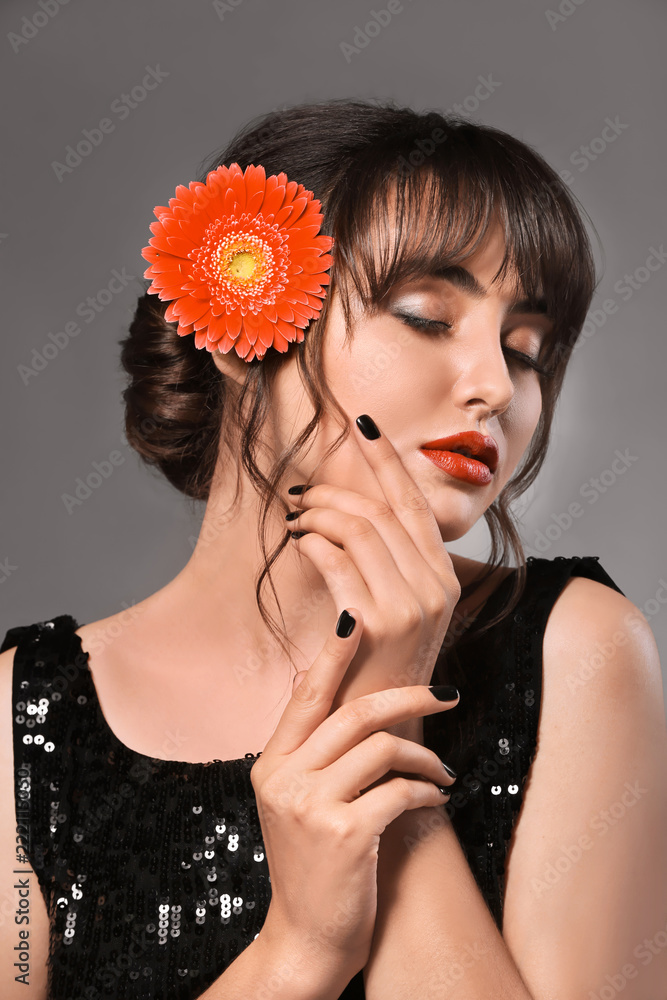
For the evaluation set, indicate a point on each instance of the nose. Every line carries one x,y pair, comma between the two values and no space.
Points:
483,380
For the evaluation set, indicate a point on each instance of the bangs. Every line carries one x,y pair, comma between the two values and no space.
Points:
395,221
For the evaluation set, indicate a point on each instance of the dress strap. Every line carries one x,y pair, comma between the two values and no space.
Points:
519,708
48,679
551,575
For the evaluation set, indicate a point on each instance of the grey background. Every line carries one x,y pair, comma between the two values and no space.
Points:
558,77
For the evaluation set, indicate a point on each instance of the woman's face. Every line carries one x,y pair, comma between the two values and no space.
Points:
420,385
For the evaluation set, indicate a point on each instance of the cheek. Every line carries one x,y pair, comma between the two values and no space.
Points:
521,419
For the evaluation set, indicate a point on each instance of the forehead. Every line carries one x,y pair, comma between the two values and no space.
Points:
463,279
475,273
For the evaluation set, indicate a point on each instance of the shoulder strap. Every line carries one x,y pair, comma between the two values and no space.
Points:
545,582
19,634
47,678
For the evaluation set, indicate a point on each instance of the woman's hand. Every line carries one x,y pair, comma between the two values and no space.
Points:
323,802
387,558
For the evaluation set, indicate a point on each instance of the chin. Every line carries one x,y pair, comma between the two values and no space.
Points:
456,519
449,533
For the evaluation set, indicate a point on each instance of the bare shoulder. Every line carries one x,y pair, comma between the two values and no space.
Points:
12,892
594,632
113,631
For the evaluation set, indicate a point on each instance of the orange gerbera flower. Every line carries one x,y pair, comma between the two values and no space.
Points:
240,260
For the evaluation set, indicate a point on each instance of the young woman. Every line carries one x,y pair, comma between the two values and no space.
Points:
394,770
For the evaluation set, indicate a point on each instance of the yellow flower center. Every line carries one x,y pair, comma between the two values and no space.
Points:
242,265
245,262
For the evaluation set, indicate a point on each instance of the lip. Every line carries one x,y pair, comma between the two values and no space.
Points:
478,468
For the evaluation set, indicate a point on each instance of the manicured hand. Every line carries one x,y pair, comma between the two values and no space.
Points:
386,557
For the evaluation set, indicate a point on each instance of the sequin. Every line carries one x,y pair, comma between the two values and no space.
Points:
154,871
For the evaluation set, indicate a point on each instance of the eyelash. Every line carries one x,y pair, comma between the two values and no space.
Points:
438,325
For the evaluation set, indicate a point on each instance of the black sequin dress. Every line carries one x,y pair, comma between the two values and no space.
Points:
153,871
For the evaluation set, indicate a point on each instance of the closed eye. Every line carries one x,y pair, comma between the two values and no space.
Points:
420,323
528,362
440,326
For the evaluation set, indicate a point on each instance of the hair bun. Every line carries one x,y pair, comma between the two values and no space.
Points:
172,409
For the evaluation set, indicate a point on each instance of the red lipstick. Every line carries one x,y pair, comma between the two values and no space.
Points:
469,456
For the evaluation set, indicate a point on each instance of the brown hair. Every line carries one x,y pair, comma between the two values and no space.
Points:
356,155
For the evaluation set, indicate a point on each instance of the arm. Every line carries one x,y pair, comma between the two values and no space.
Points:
271,970
600,774
435,936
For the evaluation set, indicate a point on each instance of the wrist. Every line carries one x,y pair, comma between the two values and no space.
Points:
312,971
412,828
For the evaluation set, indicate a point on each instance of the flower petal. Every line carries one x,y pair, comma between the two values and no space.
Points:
274,220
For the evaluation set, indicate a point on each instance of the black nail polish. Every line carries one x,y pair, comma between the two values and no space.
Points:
367,427
444,692
301,488
297,534
292,515
445,791
345,625
452,774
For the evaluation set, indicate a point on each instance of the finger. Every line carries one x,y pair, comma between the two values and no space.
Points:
407,557
311,701
358,537
369,761
385,803
370,713
404,495
340,573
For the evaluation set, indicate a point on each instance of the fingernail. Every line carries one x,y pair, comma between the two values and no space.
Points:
452,774
444,692
292,515
345,625
445,791
301,488
367,427
297,534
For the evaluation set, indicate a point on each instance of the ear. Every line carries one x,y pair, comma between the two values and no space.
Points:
231,364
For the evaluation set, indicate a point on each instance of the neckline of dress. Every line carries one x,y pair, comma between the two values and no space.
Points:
117,743
102,722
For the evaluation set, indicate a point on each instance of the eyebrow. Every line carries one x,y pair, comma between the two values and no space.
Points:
468,283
